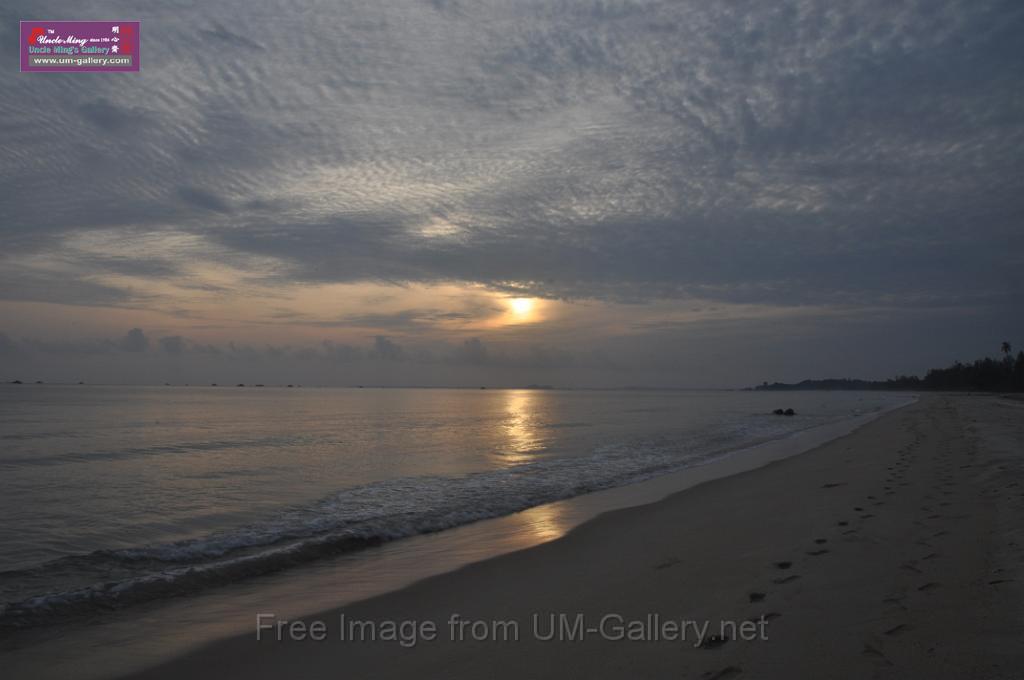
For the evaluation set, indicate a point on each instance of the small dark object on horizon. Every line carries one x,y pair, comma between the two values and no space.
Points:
784,412
17,382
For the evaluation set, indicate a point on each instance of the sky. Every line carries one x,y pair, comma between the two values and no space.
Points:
500,192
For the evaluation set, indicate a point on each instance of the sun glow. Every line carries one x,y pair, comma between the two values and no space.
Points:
521,306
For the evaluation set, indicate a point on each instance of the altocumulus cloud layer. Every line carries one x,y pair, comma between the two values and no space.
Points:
856,163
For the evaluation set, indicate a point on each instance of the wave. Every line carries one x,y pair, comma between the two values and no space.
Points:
347,520
156,450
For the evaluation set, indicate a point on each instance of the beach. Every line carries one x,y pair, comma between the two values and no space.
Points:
578,339
894,551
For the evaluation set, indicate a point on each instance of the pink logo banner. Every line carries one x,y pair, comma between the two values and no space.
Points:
75,46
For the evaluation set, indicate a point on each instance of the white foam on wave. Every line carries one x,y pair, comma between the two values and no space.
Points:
364,515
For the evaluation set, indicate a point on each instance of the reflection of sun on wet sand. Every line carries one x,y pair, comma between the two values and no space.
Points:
893,550
543,523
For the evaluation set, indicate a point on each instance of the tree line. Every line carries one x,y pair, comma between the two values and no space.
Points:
1003,374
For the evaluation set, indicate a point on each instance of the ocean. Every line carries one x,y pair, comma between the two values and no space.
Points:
115,496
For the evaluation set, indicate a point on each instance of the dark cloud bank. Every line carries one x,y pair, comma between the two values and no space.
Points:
864,157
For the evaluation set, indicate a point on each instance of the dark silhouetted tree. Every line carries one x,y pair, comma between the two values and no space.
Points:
986,375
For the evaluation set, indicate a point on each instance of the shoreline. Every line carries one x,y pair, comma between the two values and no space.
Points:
921,592
179,648
140,632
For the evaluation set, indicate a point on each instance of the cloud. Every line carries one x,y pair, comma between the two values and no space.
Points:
172,344
206,200
386,349
788,154
221,33
134,341
404,320
582,149
7,345
77,347
471,351
341,353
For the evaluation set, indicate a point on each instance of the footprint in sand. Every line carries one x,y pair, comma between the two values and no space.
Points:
756,597
896,630
816,553
928,586
727,672
872,652
783,565
785,579
714,641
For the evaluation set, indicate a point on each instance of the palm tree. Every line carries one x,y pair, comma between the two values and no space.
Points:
1007,348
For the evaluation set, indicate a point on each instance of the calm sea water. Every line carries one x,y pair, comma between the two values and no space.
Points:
112,495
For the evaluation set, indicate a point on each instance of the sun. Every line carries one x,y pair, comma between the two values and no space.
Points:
521,306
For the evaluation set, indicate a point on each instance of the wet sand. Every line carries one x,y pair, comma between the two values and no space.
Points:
895,551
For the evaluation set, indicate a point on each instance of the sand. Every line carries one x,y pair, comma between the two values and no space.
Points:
896,551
